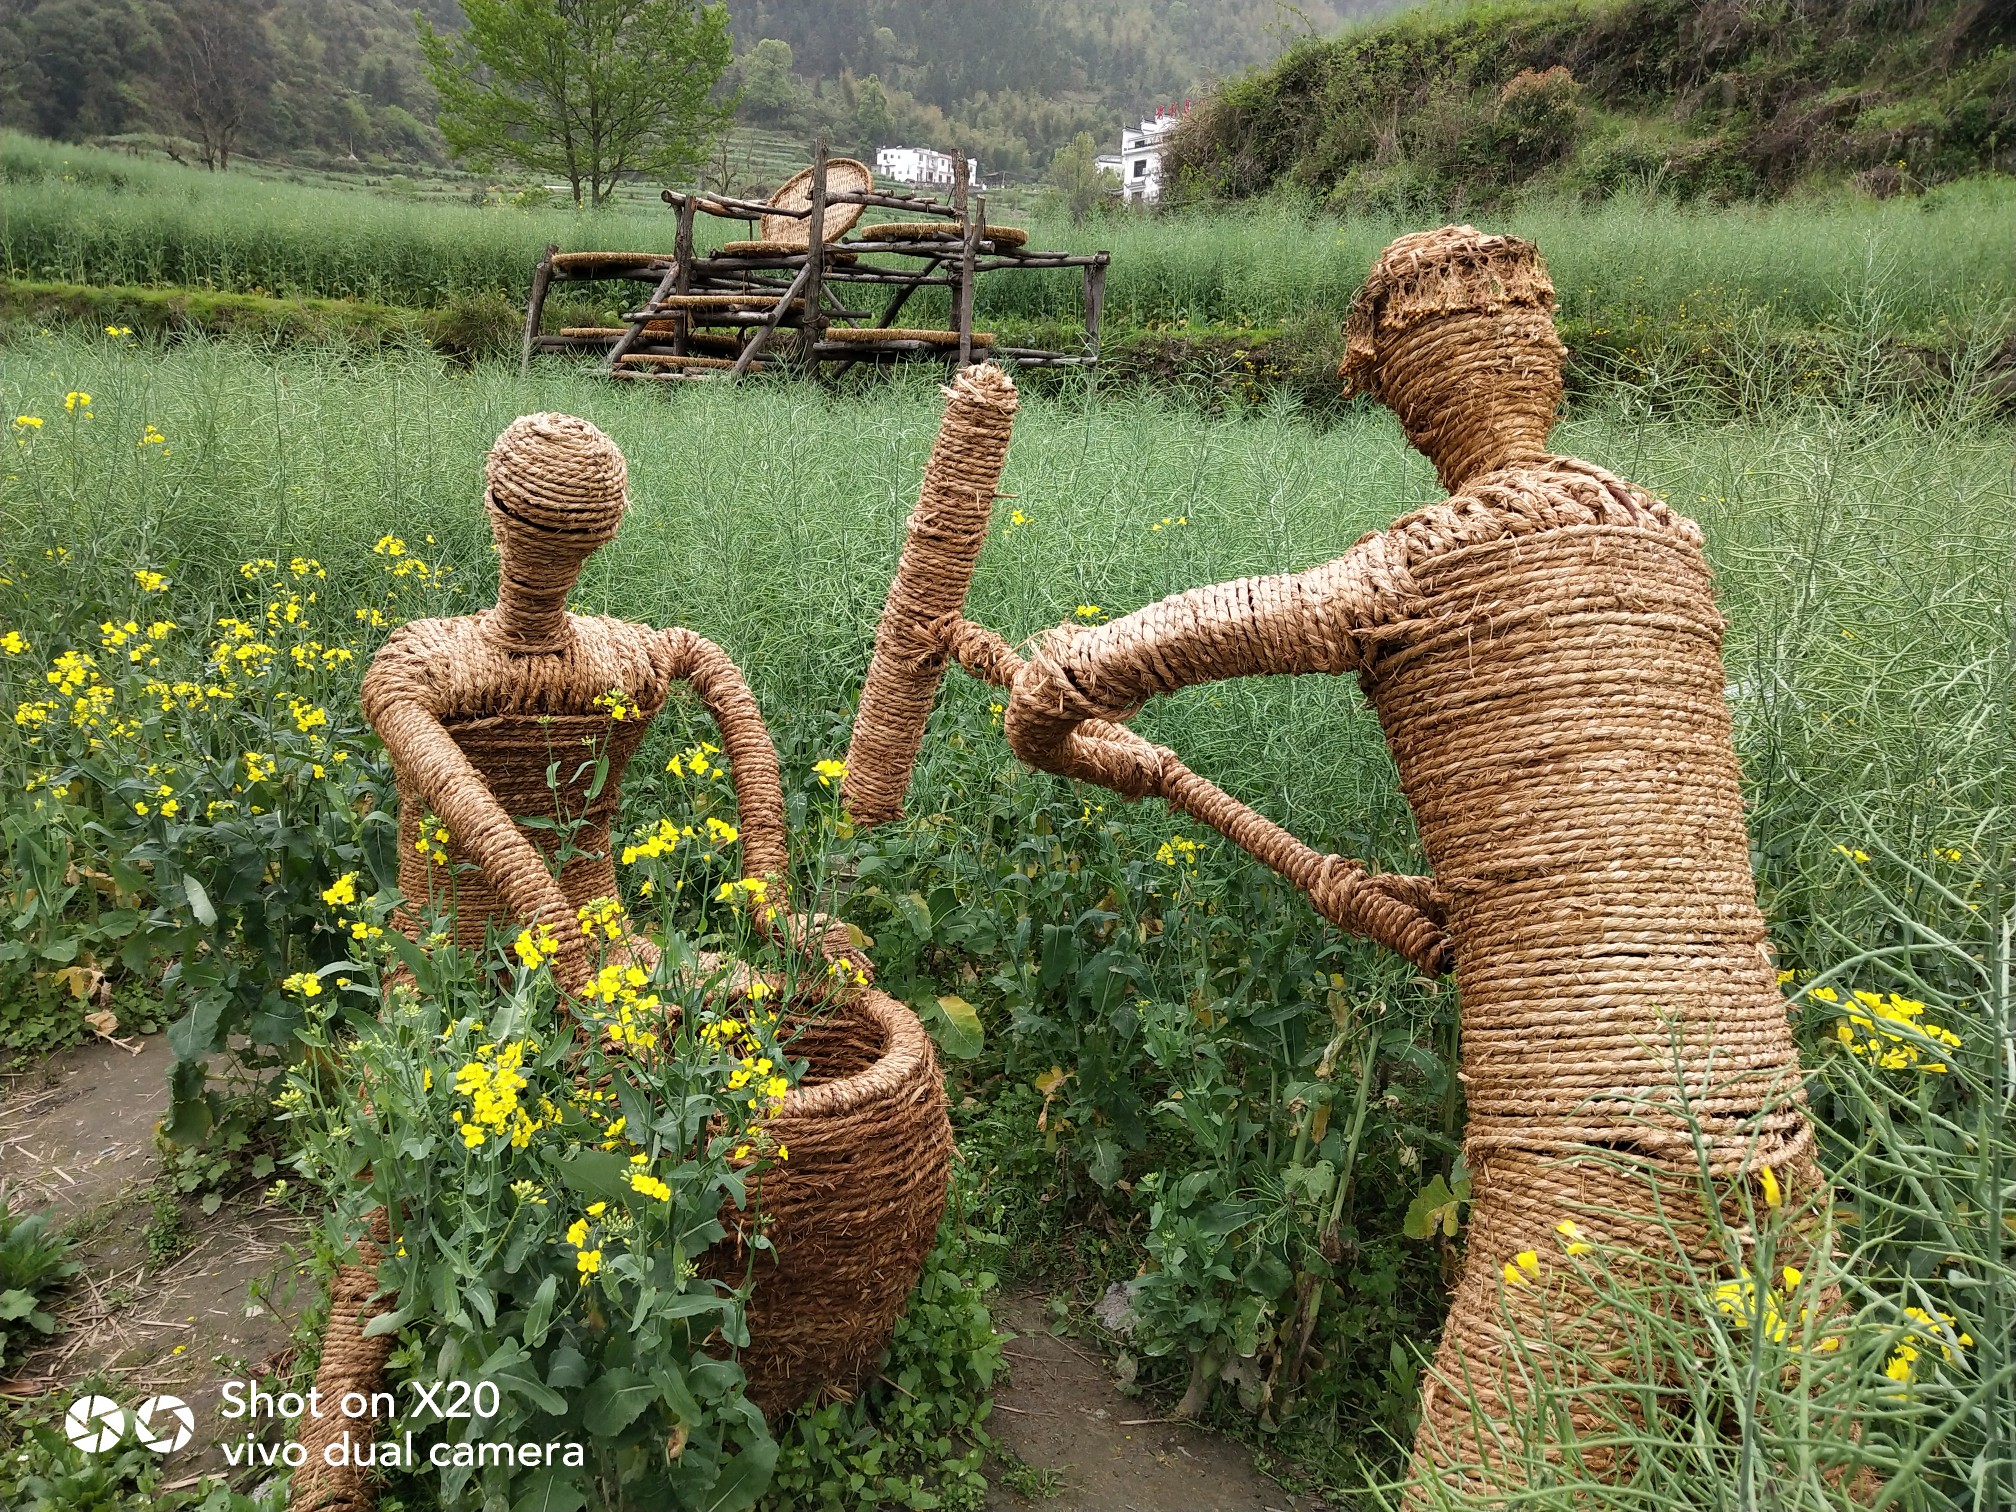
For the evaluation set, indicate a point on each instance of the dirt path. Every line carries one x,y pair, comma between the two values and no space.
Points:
151,1312
1062,1413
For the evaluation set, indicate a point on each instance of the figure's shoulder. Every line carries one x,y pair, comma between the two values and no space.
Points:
1547,493
420,644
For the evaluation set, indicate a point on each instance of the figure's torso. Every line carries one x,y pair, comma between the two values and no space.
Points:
549,733
1554,700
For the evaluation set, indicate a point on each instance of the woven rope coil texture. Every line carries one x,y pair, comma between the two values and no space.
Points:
350,1363
1454,330
941,544
473,728
1543,652
854,1211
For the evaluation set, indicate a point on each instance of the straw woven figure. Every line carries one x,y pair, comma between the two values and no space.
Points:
475,712
1543,651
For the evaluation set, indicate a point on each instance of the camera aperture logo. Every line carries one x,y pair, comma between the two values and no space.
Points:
98,1425
356,1441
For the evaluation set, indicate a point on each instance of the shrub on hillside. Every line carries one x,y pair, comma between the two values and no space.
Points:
1538,120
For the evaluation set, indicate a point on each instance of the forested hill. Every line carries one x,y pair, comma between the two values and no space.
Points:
1464,103
1009,80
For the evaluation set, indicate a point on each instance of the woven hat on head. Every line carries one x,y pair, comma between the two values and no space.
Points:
558,474
1425,274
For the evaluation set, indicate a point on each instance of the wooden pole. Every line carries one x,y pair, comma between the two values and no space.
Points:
1095,306
814,325
682,258
976,227
535,307
755,342
644,316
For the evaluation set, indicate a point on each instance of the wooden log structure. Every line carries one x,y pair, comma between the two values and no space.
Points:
730,306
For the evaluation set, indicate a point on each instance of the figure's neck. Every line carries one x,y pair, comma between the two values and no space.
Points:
528,619
1460,460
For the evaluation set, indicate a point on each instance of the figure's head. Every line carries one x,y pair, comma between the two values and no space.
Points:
555,490
1454,331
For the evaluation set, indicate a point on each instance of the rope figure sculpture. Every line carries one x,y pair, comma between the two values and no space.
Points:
475,712
1542,649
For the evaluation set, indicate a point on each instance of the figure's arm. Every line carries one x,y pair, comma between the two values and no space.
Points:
423,750
1067,706
752,757
1322,620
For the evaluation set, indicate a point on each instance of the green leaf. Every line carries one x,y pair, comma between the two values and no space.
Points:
199,902
386,1323
16,1304
745,1479
1434,1206
960,1033
550,1490
597,1173
613,1401
539,1316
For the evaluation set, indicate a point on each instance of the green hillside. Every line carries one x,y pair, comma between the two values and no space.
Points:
338,84
1463,104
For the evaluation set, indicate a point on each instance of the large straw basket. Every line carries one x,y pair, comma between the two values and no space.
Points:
853,1210
843,176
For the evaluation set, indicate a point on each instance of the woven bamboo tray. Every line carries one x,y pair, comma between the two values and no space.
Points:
843,176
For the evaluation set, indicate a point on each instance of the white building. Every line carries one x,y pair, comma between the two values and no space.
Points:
923,167
1140,161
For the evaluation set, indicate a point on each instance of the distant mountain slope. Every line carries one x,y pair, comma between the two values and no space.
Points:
1008,80
1717,98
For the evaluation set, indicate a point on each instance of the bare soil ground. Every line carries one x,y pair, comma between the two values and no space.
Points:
1061,1412
217,1301
221,1302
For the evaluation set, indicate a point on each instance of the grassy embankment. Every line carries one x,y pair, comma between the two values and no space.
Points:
1861,552
1741,304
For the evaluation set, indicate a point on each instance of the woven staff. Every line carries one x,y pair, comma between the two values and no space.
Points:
922,625
941,544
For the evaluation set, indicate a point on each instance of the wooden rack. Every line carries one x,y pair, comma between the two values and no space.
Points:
712,316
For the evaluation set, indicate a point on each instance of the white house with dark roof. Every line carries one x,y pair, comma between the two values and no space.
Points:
1140,160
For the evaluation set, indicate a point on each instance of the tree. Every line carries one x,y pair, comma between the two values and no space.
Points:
873,122
588,89
216,74
768,88
1078,179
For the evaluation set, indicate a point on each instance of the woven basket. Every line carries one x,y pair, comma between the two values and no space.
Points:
843,176
852,1212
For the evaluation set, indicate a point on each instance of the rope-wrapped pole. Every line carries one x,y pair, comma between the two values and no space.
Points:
941,545
351,1365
